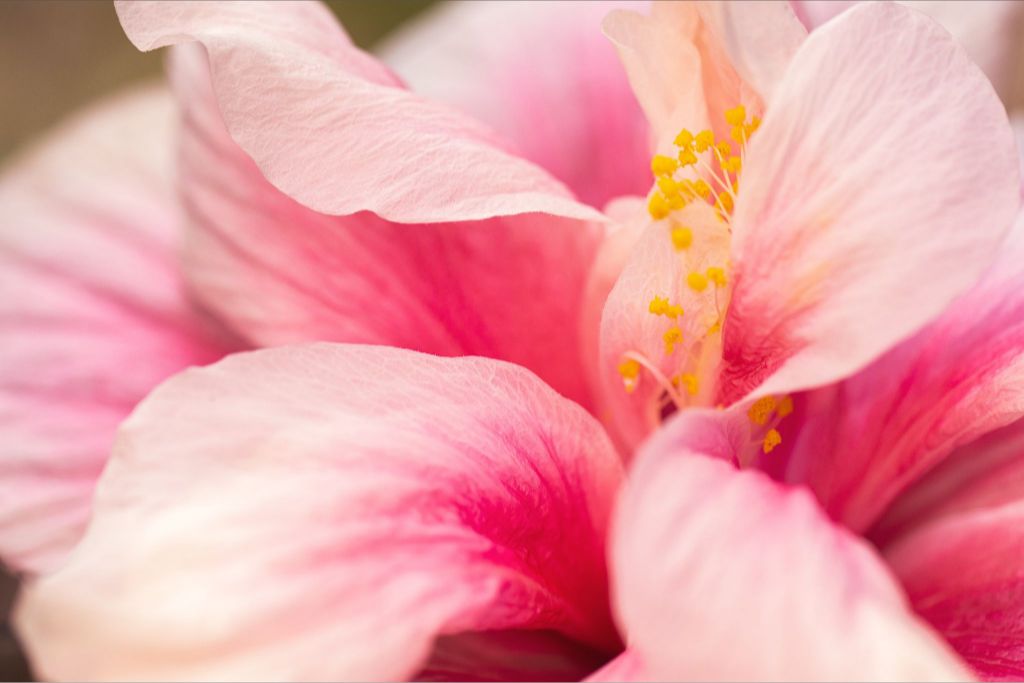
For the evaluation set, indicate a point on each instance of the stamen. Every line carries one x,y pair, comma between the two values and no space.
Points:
672,337
771,440
761,410
630,371
698,282
682,238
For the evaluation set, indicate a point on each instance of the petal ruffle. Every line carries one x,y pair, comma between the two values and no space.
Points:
721,573
332,128
508,288
564,102
864,208
325,512
93,312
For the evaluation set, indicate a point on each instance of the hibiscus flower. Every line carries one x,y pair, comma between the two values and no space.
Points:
366,510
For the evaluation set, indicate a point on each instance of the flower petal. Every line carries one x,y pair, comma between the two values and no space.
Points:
987,29
721,573
965,575
324,512
93,313
331,127
867,439
663,65
508,288
864,207
760,38
564,102
629,331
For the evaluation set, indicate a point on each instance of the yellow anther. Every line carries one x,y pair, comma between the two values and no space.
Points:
630,371
682,238
715,328
785,406
738,133
732,165
724,202
698,282
771,440
761,411
723,148
658,206
674,311
672,337
702,189
663,165
716,275
736,116
676,202
687,157
690,383
704,139
658,305
754,124
684,139
668,186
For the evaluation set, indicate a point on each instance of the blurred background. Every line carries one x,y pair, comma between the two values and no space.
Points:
59,55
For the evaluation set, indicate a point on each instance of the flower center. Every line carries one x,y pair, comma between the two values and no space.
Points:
694,195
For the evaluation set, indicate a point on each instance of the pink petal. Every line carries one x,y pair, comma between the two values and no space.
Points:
563,101
628,330
864,207
987,29
760,38
723,574
663,65
986,473
331,127
509,288
92,312
867,439
965,575
324,512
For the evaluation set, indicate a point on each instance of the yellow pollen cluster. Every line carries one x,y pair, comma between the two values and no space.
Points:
689,382
672,337
762,410
703,169
682,238
661,306
673,193
630,371
767,412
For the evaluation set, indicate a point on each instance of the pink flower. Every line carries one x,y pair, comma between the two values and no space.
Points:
130,256
358,510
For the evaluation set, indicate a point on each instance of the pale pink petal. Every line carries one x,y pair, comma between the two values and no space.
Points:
628,330
987,29
509,288
965,575
92,311
332,128
723,574
864,207
759,37
865,440
663,65
323,512
544,77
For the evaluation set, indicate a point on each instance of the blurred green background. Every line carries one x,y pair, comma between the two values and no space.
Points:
58,55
